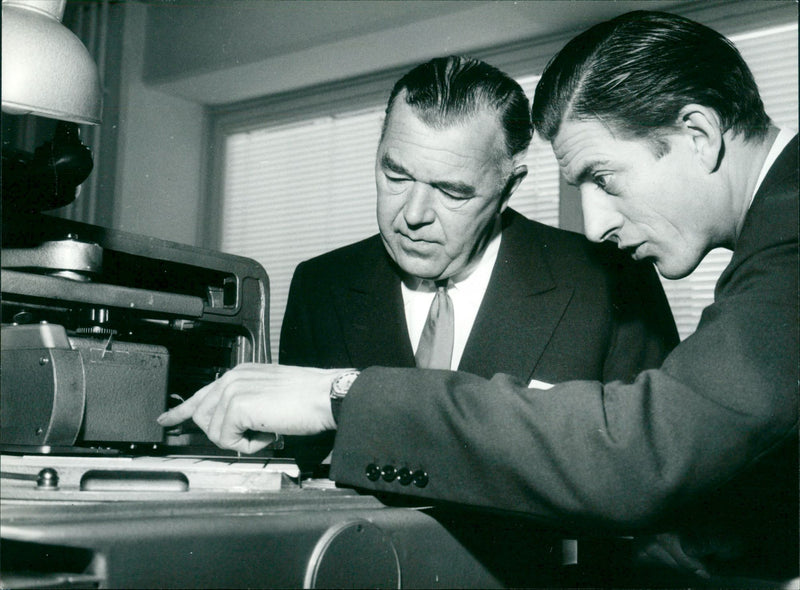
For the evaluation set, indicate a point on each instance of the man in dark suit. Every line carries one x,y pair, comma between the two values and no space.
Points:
531,301
658,120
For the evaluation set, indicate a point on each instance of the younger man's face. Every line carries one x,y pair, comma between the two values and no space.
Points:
655,208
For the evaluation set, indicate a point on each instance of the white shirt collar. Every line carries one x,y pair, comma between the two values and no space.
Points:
781,141
466,293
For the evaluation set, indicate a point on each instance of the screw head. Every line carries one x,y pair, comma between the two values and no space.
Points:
47,479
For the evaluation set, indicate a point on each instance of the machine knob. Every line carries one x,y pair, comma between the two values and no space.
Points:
47,479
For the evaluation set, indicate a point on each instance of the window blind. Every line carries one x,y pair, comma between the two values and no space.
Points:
292,192
771,55
537,195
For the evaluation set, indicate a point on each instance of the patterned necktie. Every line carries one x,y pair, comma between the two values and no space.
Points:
435,349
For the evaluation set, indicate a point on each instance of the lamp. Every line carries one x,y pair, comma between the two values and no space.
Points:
46,69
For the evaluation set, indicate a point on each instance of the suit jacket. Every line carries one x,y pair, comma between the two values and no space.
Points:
710,436
557,307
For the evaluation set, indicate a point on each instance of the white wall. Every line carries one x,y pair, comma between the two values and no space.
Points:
160,149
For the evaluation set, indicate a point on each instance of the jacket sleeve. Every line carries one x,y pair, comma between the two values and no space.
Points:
616,455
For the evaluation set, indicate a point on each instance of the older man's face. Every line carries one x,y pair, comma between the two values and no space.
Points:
659,209
440,191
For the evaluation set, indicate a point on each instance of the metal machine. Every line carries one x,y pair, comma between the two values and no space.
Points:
101,329
101,332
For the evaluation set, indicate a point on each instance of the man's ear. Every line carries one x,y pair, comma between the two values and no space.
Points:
520,172
703,128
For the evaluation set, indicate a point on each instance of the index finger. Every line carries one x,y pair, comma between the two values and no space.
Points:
184,411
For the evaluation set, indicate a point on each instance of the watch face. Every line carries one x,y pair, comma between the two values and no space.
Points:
341,385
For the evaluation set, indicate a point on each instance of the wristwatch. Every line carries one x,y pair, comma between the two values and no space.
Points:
339,388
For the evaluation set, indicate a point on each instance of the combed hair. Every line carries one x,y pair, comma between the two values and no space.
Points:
448,90
637,71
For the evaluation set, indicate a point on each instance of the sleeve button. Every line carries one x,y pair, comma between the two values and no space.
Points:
420,478
389,473
373,472
404,476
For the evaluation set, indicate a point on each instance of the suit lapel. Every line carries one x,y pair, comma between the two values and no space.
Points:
519,312
371,312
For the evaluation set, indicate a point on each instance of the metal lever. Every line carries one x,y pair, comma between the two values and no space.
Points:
46,479
58,255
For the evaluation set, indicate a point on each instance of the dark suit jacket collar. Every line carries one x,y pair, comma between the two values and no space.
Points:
522,251
777,184
520,310
773,215
372,312
781,170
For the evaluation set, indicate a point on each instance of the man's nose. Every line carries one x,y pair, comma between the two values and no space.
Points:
601,220
418,209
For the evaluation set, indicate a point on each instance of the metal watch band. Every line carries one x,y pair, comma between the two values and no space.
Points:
339,388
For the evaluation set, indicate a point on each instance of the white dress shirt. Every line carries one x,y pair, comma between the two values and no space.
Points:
783,139
466,293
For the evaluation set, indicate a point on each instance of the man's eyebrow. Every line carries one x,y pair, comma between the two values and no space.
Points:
460,188
387,162
449,186
586,172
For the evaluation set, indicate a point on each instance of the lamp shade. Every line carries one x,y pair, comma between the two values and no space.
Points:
47,71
